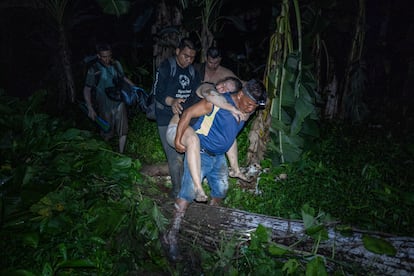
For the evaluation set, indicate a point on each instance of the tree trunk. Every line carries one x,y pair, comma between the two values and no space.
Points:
258,137
67,84
217,224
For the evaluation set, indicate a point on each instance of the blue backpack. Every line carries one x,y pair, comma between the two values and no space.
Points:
122,91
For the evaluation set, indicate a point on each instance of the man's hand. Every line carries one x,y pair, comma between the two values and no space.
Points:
91,113
179,147
176,106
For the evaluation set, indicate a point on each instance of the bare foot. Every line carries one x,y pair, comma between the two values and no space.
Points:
200,196
239,175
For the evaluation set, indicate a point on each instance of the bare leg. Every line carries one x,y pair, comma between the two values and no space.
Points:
192,143
232,155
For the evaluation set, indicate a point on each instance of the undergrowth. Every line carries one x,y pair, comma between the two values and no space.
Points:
71,205
360,175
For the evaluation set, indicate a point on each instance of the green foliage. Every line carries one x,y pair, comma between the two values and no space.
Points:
359,175
378,246
261,256
144,141
69,204
292,84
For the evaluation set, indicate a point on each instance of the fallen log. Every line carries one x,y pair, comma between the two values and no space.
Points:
208,226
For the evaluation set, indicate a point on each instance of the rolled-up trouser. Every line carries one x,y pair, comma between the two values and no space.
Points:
175,161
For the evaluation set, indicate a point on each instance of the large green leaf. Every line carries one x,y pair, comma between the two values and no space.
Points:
378,245
288,95
316,267
303,107
292,147
279,126
107,219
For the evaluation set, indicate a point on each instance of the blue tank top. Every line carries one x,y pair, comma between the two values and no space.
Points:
218,129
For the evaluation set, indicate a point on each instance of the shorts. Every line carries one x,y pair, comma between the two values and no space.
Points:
214,169
170,135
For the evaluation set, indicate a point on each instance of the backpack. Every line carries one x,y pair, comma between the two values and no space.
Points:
150,110
132,96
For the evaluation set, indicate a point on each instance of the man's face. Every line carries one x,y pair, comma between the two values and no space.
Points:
213,63
105,57
246,104
226,86
185,57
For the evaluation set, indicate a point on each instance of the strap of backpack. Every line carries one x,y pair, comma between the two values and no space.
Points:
97,73
173,67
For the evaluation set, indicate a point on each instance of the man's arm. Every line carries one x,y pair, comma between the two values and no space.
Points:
199,109
87,97
208,92
87,91
161,91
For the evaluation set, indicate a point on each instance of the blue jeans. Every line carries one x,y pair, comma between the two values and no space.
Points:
214,169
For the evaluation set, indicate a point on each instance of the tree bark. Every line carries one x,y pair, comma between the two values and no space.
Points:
67,84
209,226
258,137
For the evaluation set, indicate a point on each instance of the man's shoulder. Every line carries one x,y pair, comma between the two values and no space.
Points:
164,66
226,72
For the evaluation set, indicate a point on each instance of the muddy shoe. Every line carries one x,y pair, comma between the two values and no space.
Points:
200,196
171,245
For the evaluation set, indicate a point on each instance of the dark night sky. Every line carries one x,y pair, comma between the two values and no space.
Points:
28,46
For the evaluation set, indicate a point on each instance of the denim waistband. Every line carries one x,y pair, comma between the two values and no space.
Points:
207,152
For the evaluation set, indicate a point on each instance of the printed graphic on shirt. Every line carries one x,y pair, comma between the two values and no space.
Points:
184,81
184,92
207,122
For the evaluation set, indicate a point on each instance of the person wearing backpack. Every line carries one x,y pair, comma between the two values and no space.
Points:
104,74
175,81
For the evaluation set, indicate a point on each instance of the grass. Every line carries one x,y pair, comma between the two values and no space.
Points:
143,140
361,176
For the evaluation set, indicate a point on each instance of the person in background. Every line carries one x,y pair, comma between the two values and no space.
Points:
103,74
212,71
171,91
216,129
